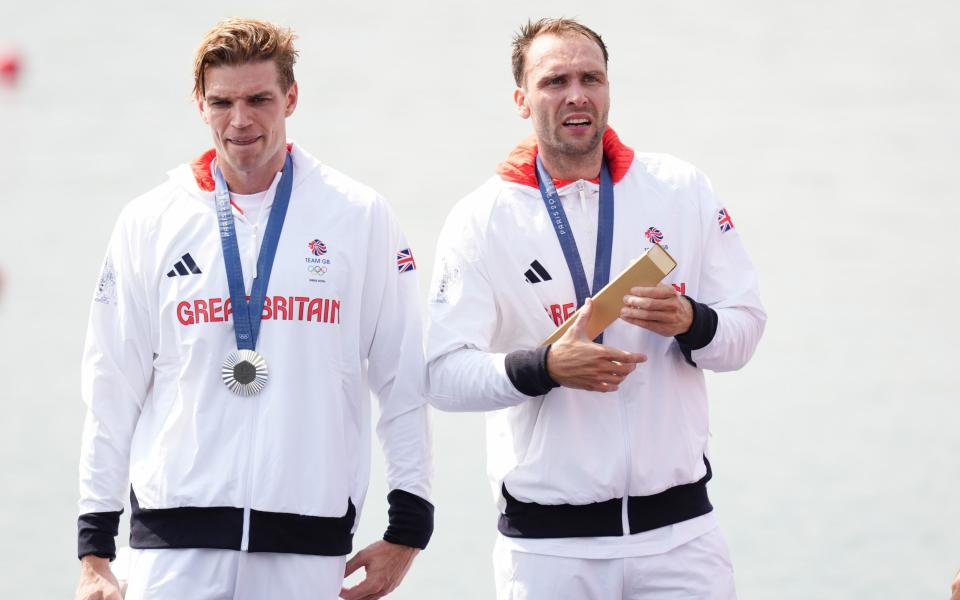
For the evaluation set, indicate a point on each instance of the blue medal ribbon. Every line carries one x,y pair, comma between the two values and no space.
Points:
245,326
558,217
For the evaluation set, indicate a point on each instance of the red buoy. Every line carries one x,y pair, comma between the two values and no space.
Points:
9,66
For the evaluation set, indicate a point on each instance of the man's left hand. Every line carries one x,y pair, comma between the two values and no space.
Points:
660,309
385,565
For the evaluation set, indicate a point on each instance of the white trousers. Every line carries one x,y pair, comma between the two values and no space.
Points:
201,574
699,569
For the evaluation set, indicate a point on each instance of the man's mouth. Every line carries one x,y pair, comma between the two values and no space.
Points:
245,141
576,122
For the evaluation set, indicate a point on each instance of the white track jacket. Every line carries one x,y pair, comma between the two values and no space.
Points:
571,463
286,470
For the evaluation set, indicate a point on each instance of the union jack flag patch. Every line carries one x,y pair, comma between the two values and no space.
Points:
724,220
405,260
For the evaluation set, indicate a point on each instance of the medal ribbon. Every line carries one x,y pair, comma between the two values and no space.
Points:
245,327
601,269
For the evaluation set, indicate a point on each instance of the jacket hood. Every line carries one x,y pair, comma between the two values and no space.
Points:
520,166
197,176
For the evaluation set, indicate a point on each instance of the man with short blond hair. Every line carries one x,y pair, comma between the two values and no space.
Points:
597,449
245,310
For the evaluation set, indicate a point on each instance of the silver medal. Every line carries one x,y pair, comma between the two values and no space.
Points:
244,372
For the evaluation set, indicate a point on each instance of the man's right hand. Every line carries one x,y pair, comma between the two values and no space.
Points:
96,580
575,361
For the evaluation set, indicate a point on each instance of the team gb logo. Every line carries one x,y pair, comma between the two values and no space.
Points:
654,235
318,248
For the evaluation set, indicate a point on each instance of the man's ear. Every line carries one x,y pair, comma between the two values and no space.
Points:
520,99
203,114
293,95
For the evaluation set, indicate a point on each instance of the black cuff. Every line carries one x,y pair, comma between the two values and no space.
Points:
527,370
96,533
411,520
701,331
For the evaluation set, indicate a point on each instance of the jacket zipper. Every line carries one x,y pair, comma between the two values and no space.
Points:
251,418
248,491
255,253
628,462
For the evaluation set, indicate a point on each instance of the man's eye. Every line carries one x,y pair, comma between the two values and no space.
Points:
556,81
219,103
257,100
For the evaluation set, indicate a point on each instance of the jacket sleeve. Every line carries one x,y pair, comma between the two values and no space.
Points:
115,375
392,337
728,301
463,371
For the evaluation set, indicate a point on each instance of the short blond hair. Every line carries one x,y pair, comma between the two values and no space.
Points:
237,41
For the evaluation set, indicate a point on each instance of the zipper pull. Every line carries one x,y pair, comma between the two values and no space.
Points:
581,188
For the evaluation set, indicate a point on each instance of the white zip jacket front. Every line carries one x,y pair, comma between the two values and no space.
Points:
567,463
285,470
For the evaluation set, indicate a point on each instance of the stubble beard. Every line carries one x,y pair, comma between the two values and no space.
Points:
573,151
244,161
578,150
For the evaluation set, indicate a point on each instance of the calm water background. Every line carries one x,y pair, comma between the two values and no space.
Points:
830,129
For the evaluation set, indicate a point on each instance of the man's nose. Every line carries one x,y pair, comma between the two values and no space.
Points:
577,95
239,115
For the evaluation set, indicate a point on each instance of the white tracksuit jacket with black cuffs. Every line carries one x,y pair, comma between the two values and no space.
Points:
567,463
285,470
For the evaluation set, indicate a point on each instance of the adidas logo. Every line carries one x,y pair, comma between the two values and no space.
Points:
184,266
537,269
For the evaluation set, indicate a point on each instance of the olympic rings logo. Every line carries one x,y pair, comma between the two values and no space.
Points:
316,269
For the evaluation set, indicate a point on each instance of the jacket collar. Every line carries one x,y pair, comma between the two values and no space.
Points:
520,166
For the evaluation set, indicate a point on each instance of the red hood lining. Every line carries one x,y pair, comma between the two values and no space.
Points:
520,166
201,169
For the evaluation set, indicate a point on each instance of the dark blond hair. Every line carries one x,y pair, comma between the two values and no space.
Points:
527,33
237,41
